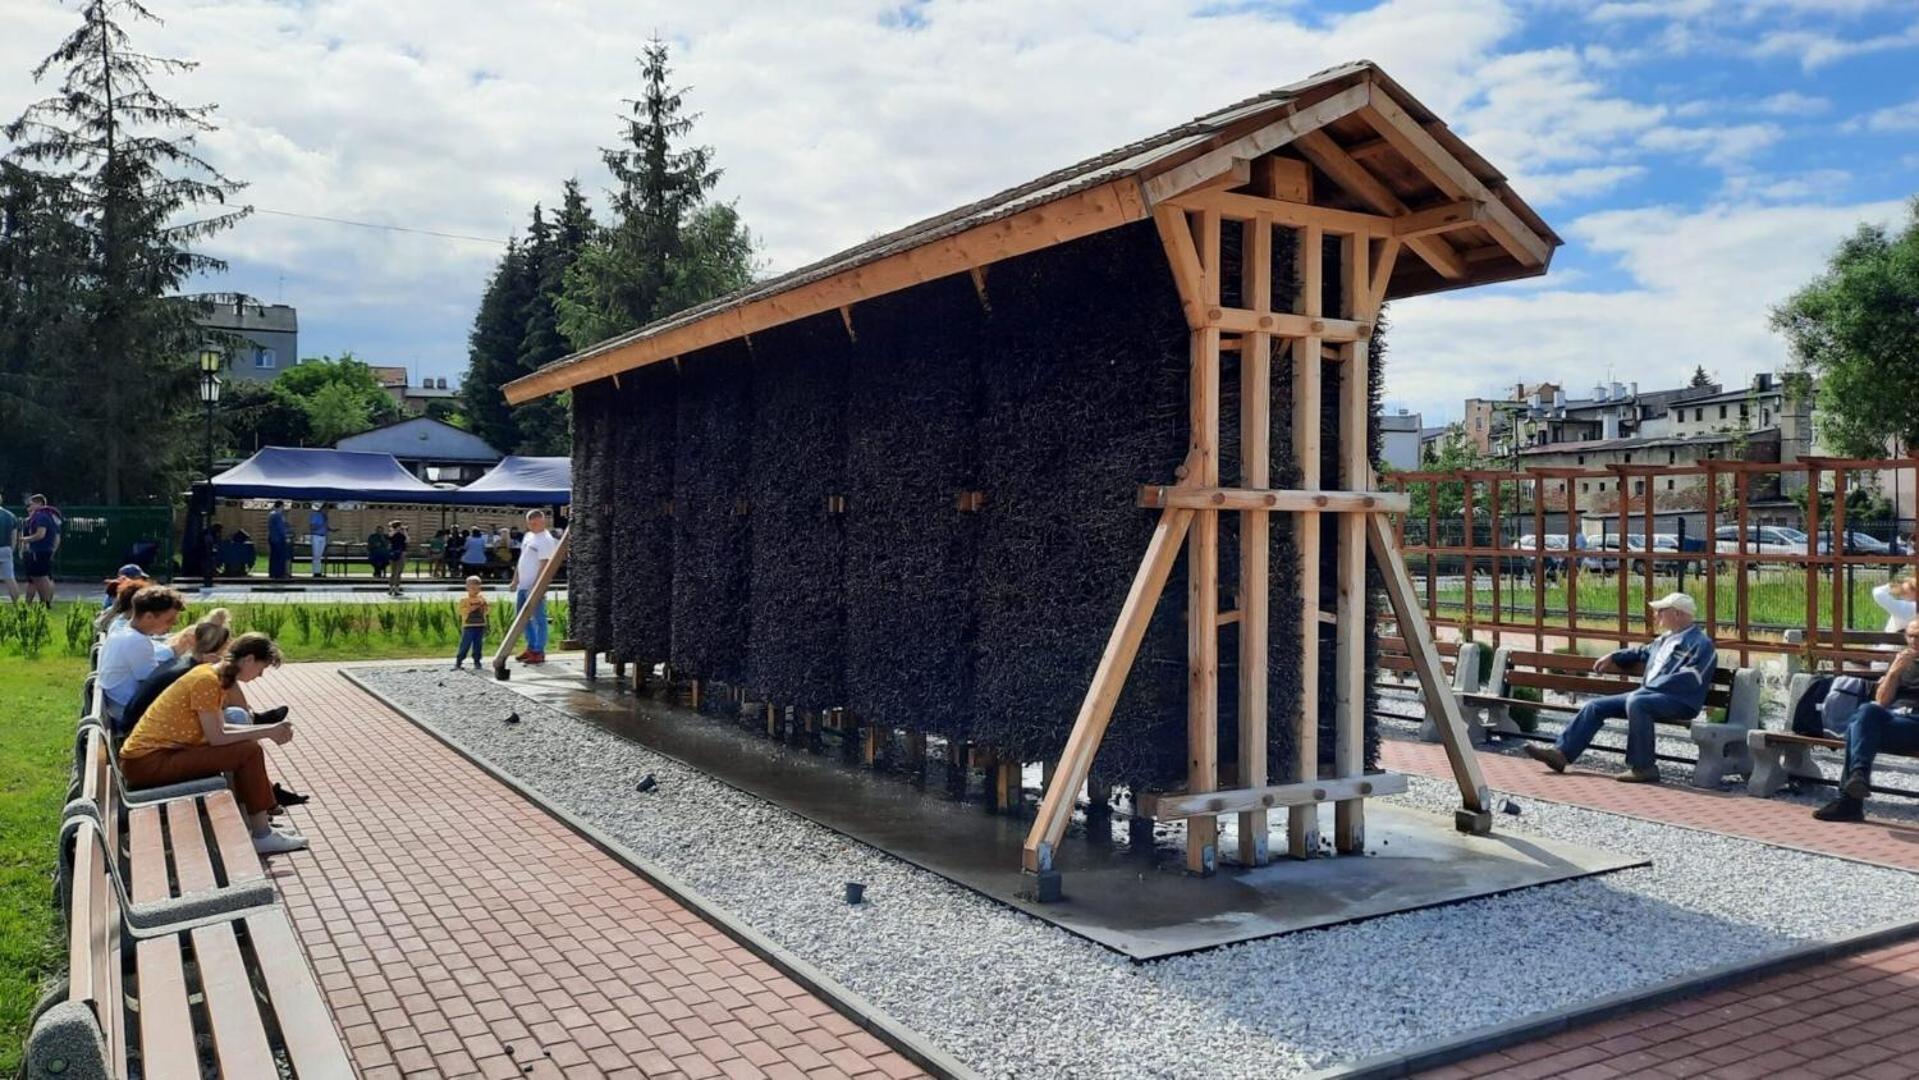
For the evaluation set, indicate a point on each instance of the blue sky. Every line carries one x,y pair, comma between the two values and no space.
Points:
1699,156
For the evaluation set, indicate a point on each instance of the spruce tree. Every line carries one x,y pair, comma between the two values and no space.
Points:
119,165
493,350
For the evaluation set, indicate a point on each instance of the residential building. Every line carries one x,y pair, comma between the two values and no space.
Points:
413,400
260,340
1400,440
432,450
1660,452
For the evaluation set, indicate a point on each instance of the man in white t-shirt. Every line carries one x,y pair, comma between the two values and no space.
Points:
133,651
536,548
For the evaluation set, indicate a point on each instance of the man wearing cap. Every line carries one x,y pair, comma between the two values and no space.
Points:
1678,665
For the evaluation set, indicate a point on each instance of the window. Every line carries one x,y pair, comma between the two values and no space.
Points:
263,357
1582,459
1628,459
1672,457
1743,414
1585,488
1602,486
1669,485
1698,415
1638,487
1722,412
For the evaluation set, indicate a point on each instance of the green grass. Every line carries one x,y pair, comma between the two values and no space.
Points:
1774,601
42,665
40,701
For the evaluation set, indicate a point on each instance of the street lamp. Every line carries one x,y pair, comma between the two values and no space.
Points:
210,360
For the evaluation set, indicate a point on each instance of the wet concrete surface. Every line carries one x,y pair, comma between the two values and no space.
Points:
1140,903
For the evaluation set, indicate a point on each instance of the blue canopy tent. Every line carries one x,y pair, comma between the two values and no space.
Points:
285,472
520,481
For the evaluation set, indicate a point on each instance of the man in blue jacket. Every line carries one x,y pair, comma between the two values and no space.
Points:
1679,668
279,544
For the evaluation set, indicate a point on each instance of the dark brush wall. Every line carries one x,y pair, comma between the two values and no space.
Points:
591,519
644,443
1056,401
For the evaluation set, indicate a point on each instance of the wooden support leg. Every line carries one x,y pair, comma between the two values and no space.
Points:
772,721
693,695
1007,786
592,666
1355,472
916,749
869,745
1302,822
1255,531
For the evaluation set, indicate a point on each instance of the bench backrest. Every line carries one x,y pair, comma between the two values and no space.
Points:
94,943
1572,674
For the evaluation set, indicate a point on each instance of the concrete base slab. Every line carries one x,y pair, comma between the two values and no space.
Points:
1139,903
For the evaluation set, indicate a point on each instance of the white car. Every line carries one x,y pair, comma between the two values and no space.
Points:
1760,540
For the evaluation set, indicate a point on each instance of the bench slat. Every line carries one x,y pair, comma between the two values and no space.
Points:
1574,664
305,1023
190,862
1795,739
230,835
166,1020
1599,685
239,1035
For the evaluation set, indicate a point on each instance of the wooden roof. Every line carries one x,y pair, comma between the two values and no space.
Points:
1374,148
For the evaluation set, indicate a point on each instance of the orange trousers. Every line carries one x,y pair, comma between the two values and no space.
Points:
247,761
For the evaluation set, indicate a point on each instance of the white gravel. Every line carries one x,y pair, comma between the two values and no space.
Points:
1012,996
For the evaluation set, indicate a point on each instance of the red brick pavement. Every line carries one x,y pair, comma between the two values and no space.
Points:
1853,1017
1771,821
459,931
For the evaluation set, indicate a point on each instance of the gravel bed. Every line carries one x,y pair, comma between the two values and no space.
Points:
1012,996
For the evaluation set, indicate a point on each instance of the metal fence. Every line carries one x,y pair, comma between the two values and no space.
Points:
1559,556
97,540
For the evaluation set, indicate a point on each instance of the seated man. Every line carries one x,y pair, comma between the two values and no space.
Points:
198,728
1887,722
1678,665
135,649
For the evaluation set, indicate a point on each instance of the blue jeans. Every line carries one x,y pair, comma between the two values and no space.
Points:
474,638
1641,709
1874,728
535,626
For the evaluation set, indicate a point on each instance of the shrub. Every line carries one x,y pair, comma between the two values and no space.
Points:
1525,716
303,622
269,619
79,630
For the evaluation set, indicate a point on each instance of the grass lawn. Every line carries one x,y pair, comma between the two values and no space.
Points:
1773,600
39,703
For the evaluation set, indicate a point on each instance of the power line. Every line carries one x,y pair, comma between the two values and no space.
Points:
377,225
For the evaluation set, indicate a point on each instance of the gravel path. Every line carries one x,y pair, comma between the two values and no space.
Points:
1012,996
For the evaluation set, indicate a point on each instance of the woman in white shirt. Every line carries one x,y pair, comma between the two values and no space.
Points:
1900,599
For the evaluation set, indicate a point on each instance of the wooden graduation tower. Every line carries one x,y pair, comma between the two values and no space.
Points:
1357,170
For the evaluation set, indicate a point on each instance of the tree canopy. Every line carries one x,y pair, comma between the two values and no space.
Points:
1855,328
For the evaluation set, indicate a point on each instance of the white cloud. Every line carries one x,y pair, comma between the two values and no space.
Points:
1552,188
1792,103
1891,118
1815,49
1701,286
1718,146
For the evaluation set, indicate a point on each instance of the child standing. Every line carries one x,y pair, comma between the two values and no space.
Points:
473,608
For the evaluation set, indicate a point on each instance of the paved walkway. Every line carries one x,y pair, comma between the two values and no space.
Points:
1858,1016
459,931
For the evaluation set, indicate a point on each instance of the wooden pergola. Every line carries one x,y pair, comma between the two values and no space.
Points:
1346,157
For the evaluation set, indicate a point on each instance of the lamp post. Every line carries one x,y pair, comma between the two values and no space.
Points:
210,360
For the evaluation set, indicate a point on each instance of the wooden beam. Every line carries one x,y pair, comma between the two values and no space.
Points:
1281,500
1182,255
1322,151
1259,798
1355,470
1202,571
1255,533
1453,177
1070,217
1440,703
1382,277
1239,175
1438,219
978,274
1237,206
1284,324
1096,709
1302,823
1279,133
1283,178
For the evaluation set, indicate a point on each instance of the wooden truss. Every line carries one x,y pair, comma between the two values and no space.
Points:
1189,205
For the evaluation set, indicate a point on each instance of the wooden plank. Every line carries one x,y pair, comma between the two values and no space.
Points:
1322,151
1302,824
305,1024
1238,206
1202,580
230,835
191,863
1259,798
1382,277
239,1034
1282,324
1185,177
1189,276
1255,546
1070,217
1355,470
1453,177
1440,703
1277,500
1286,179
166,1021
1459,214
1096,709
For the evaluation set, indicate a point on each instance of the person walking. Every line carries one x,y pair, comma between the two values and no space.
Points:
41,538
9,538
396,545
279,544
1678,672
536,549
317,530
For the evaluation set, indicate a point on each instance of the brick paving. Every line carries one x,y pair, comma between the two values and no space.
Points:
1771,821
458,931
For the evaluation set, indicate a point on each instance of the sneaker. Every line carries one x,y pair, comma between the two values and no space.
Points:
271,716
1645,774
534,658
276,842
1548,756
1856,786
1843,808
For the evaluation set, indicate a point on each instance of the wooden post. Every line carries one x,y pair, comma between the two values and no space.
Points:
1539,563
916,749
1355,473
1812,552
1255,532
1202,571
1006,785
1302,822
772,721
533,599
1839,597
869,744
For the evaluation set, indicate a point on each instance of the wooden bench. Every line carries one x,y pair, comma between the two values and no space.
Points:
1782,757
193,952
1722,744
1396,656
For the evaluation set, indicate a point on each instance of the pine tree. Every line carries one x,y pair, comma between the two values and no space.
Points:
666,247
118,163
493,350
551,252
1700,380
44,257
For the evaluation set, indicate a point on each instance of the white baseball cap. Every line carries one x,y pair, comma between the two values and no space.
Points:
1675,600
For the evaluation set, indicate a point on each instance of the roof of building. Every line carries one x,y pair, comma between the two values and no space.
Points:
1399,422
1653,442
1320,117
422,438
1426,433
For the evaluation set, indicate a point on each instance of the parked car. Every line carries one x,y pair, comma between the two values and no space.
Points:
1637,542
1858,543
1760,540
1530,542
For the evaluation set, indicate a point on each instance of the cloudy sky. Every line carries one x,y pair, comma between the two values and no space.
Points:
1699,156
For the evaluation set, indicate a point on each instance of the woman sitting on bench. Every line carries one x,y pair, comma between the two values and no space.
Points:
201,726
1887,723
